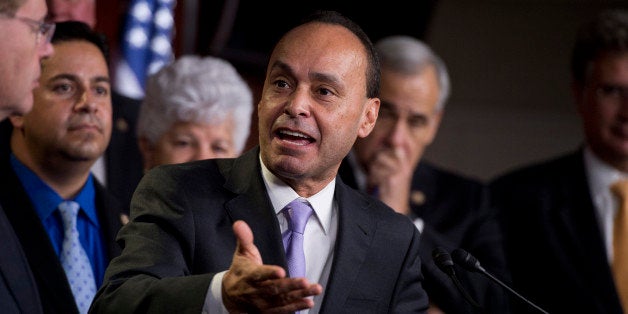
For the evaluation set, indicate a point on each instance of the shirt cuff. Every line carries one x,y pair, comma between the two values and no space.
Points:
213,299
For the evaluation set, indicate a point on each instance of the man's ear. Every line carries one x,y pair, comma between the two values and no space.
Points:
371,111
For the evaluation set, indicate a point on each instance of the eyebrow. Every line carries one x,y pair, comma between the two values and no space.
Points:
317,76
73,77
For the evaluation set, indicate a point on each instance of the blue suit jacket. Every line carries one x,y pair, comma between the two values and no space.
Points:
553,242
180,235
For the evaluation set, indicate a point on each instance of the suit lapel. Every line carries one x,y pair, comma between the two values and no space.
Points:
54,290
109,212
577,221
356,228
14,267
251,204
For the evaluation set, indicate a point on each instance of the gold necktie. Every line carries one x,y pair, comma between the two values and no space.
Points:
620,243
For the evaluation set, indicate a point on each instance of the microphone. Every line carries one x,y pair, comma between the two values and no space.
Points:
446,264
470,263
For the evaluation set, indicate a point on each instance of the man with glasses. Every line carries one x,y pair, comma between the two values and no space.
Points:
47,178
25,41
24,45
559,215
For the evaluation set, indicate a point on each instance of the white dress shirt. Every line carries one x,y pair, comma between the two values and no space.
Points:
601,176
319,237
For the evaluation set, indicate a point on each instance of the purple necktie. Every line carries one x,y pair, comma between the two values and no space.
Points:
297,213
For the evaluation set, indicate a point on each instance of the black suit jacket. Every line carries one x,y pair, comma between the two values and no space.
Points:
123,160
180,235
54,290
18,290
552,239
455,213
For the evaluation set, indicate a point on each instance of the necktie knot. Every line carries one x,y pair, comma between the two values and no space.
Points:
297,213
69,210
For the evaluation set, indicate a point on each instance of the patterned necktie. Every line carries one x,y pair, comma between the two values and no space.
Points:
74,260
620,243
297,213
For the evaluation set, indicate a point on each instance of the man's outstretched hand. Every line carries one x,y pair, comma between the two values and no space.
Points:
251,286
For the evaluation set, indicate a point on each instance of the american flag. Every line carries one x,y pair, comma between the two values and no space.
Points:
146,44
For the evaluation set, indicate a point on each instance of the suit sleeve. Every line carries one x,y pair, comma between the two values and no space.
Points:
154,273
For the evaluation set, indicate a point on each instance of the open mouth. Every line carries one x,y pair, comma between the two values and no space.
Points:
295,137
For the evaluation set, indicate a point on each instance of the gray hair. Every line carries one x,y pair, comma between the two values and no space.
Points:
408,55
196,89
9,7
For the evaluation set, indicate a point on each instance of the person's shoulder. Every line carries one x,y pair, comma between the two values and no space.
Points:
384,214
546,169
110,205
428,173
542,176
363,200
185,172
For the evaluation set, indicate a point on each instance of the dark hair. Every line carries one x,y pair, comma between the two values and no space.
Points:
373,67
606,33
79,31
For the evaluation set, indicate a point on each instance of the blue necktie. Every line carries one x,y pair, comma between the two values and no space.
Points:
74,260
297,213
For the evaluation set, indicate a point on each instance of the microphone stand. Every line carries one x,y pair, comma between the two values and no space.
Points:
469,262
445,263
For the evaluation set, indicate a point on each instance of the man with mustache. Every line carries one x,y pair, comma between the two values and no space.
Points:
52,150
120,167
274,230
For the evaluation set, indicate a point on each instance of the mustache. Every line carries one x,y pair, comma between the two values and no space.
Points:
85,119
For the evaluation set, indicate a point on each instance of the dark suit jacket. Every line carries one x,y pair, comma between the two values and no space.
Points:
456,215
18,290
553,242
54,290
123,160
180,235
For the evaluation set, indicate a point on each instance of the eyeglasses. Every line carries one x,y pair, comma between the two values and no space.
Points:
43,30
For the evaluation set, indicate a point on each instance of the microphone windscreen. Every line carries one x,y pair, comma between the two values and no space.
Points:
466,260
443,260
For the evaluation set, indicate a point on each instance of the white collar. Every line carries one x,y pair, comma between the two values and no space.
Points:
281,194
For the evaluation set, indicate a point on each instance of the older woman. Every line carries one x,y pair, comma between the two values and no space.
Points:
195,108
